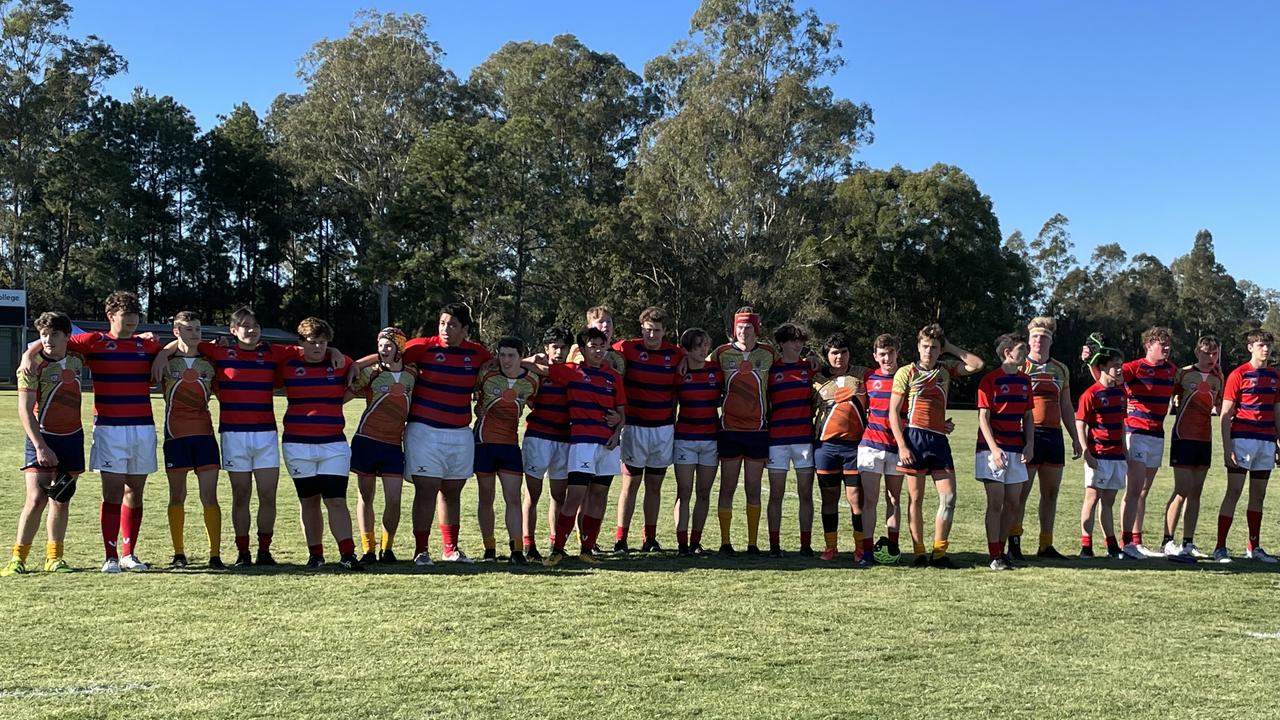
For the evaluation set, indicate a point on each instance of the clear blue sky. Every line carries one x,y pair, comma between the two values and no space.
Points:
1140,121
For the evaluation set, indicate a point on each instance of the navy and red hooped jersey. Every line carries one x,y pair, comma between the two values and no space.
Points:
1253,390
244,381
121,370
592,392
698,392
446,379
548,412
790,401
840,406
1149,388
649,378
1008,398
879,434
315,391
1102,410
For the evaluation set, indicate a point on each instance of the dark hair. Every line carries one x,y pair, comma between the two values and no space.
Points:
835,341
55,321
186,316
315,327
932,332
557,334
886,342
1156,333
787,332
1099,352
690,337
1258,335
510,341
460,312
1007,342
589,334
243,315
654,315
123,301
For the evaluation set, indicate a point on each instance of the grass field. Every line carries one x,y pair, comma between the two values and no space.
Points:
637,637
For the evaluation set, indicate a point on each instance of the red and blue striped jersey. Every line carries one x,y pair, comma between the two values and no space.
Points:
649,380
548,413
1007,397
121,370
446,379
1103,409
790,401
1253,390
592,392
315,391
244,382
1149,388
698,392
879,434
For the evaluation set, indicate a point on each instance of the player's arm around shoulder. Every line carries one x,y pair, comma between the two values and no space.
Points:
970,363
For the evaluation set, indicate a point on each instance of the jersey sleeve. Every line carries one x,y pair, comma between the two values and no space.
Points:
414,349
986,391
1130,370
619,346
1084,407
361,381
283,353
82,343
30,383
1232,389
619,391
562,373
1066,385
902,381
482,353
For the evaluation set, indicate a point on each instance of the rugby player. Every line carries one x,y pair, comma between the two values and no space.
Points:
1197,394
1006,438
790,403
840,399
501,395
698,391
1100,417
546,441
878,450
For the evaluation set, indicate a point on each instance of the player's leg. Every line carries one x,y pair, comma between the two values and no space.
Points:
853,498
422,513
1257,496
56,529
207,487
177,512
730,470
944,481
752,482
704,483
915,517
573,494
869,486
1140,512
994,522
311,515
777,489
366,492
392,494
267,482
680,513
1173,509
241,493
804,509
592,516
513,513
450,520
1014,540
829,484
1227,512
131,521
1050,483
33,507
485,490
653,479
333,494
529,509
555,504
632,479
1107,501
893,512
1086,521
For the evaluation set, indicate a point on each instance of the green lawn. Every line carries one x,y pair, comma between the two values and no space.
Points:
637,637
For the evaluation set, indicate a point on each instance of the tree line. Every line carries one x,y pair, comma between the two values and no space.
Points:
551,179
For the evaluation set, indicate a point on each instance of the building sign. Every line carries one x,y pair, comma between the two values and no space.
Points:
13,307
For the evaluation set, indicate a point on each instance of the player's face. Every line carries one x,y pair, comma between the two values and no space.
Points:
123,323
509,360
248,333
886,358
1157,350
595,351
451,331
1207,357
556,352
1114,370
838,357
188,332
54,341
701,347
1041,343
930,350
745,334
652,332
1017,354
314,348
388,351
604,324
1259,352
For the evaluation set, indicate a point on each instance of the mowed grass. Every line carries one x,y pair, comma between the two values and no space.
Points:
636,637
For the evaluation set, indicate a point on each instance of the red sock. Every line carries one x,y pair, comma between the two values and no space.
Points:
347,547
564,526
316,550
448,537
695,538
868,546
1254,520
650,532
806,539
130,522
682,537
109,517
893,536
1127,537
421,541
1137,538
1086,541
773,538
242,543
993,550
620,534
1224,527
590,531
528,541
264,542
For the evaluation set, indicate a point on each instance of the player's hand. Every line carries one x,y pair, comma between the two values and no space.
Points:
998,460
815,363
223,341
1085,353
28,366
1232,462
490,364
1028,452
905,458
612,417
682,367
950,425
336,359
158,367
46,457
1088,460
613,441
1076,450
352,373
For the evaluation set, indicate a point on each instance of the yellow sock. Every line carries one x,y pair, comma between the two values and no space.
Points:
366,542
726,522
1046,541
939,548
177,517
20,552
53,551
753,524
1016,530
490,543
213,529
387,539
832,538
917,548
858,537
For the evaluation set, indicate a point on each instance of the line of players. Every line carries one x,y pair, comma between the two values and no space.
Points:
635,407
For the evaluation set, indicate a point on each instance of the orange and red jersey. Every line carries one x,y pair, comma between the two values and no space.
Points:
316,391
446,378
386,393
1102,410
1198,394
1253,390
500,401
840,403
790,400
1050,382
549,413
121,370
188,383
924,395
592,392
879,434
244,381
698,392
56,384
1007,396
649,380
745,376
1149,388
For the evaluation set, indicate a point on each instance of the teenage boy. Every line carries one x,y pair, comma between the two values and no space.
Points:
878,450
546,441
698,392
501,395
1006,438
840,400
1100,422
1197,394
790,401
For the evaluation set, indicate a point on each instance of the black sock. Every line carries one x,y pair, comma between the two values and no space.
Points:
830,522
